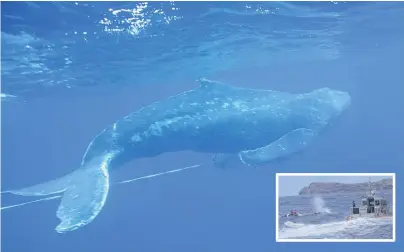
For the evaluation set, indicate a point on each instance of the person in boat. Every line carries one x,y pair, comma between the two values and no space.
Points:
292,213
353,203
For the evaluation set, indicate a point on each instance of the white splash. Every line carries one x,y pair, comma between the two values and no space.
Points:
319,205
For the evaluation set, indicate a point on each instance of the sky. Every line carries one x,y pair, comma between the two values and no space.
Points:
291,185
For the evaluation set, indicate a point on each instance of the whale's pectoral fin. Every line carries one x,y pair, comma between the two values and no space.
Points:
84,193
293,142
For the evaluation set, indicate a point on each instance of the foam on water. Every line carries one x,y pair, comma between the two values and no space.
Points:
339,229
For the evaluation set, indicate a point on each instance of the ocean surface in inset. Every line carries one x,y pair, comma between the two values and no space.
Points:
331,223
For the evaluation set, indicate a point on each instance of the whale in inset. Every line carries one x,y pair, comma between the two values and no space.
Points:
259,126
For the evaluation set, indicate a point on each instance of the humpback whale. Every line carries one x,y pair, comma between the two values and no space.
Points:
258,126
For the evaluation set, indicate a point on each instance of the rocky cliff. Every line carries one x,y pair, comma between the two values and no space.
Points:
333,187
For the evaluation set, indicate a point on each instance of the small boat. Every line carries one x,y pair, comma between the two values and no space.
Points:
371,206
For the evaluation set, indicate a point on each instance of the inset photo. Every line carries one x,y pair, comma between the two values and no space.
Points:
335,207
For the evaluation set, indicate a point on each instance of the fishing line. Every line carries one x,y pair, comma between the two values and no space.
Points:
30,202
159,174
121,182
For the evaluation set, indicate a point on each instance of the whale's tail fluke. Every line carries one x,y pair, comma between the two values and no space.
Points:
55,186
39,191
84,193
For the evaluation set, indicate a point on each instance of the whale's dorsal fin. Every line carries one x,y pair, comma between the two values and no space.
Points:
211,84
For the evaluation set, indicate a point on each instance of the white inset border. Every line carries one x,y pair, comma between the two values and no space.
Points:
393,175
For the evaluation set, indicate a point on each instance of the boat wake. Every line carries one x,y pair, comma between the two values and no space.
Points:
341,229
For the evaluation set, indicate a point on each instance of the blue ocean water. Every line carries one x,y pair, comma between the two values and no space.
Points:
68,69
331,223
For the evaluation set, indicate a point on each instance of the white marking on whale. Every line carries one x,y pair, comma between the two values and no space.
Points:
260,126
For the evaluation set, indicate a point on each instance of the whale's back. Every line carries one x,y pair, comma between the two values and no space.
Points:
212,118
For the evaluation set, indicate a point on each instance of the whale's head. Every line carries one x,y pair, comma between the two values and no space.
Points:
328,104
